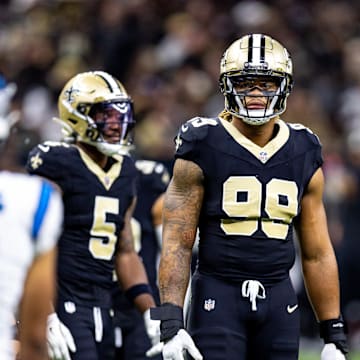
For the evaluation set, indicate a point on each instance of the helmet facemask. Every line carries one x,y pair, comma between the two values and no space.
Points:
111,127
239,93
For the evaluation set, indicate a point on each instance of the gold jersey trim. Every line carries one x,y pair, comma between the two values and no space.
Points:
265,153
106,178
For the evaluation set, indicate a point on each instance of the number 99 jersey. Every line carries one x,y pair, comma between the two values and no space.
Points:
95,203
252,195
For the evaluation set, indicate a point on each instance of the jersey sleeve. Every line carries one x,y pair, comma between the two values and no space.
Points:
46,160
133,174
189,140
310,143
315,161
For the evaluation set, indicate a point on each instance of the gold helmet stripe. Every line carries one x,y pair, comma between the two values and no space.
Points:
110,82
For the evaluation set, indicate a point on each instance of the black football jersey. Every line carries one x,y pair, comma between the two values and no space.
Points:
252,196
152,181
95,202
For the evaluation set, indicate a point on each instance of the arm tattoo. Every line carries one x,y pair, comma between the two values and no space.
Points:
182,207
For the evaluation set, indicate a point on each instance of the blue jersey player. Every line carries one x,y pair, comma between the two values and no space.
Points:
152,182
248,181
31,215
99,195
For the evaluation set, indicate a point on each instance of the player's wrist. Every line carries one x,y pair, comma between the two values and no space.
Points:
172,319
334,331
52,318
134,291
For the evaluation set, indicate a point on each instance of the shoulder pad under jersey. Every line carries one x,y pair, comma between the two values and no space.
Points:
46,158
154,170
192,131
306,132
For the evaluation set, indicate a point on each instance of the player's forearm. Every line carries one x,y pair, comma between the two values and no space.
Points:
181,211
33,349
132,276
322,284
174,274
130,269
179,232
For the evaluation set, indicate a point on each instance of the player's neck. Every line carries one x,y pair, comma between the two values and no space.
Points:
260,134
97,156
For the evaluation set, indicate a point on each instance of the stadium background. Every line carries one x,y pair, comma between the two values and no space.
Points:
167,55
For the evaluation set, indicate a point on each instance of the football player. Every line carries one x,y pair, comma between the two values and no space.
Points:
248,180
97,178
31,216
146,223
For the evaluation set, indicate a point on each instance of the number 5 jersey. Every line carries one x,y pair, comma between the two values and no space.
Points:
95,202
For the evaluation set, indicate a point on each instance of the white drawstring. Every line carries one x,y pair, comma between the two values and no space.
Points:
253,289
98,324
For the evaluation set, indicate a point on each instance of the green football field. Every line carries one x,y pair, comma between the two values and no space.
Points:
310,349
313,355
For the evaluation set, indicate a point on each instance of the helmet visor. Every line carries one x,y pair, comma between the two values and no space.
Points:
114,120
243,85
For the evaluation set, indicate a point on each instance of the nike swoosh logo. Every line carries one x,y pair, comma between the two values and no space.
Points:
291,309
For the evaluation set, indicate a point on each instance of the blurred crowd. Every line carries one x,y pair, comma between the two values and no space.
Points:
167,55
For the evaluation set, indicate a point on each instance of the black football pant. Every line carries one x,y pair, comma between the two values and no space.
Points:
134,341
224,326
91,328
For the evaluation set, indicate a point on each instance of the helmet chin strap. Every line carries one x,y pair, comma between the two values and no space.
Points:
112,149
109,149
254,117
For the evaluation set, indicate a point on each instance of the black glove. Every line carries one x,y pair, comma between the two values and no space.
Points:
334,331
172,319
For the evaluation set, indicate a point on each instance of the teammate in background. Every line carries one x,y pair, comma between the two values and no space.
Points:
31,216
99,196
248,180
147,219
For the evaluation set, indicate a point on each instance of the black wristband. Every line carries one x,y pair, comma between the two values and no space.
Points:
137,290
172,319
334,331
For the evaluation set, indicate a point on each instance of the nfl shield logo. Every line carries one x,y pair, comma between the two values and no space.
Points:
209,304
263,156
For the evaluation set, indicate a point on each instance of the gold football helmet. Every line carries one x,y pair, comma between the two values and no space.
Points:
251,60
94,104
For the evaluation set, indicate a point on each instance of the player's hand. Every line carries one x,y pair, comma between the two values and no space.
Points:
59,339
175,347
152,328
155,350
153,331
331,352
